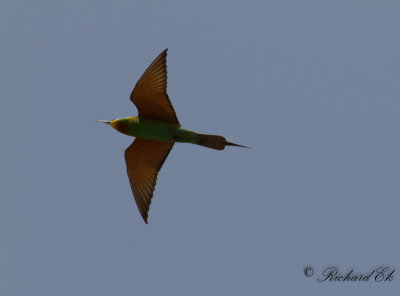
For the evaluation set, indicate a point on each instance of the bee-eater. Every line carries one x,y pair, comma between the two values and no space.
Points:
156,129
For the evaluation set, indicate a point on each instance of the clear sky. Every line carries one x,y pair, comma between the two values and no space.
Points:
312,86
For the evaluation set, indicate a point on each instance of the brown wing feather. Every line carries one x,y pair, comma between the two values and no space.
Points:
144,159
150,93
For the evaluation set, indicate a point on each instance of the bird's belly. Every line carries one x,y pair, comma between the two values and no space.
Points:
154,130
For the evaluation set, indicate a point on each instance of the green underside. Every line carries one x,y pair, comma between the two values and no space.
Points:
154,130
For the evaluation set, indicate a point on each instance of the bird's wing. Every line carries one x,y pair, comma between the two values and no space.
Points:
150,93
144,159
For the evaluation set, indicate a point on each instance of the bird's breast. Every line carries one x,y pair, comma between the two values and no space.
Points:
145,128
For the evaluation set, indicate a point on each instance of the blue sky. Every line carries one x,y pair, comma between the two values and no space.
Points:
312,86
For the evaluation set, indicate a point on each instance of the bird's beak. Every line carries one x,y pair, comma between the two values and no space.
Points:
105,121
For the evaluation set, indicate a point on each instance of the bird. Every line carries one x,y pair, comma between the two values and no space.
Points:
156,129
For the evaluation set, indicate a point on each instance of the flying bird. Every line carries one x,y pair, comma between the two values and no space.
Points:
156,129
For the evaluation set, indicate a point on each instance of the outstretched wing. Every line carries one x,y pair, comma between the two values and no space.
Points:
144,159
150,93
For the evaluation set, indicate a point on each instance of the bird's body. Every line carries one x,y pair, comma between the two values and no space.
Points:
156,129
162,131
144,128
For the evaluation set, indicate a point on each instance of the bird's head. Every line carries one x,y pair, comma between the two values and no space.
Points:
119,124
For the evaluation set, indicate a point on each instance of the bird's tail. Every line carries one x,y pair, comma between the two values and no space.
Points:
215,142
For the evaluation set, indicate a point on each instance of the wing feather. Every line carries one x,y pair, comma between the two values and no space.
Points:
150,93
144,159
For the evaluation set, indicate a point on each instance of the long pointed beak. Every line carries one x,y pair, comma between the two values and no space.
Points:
105,121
